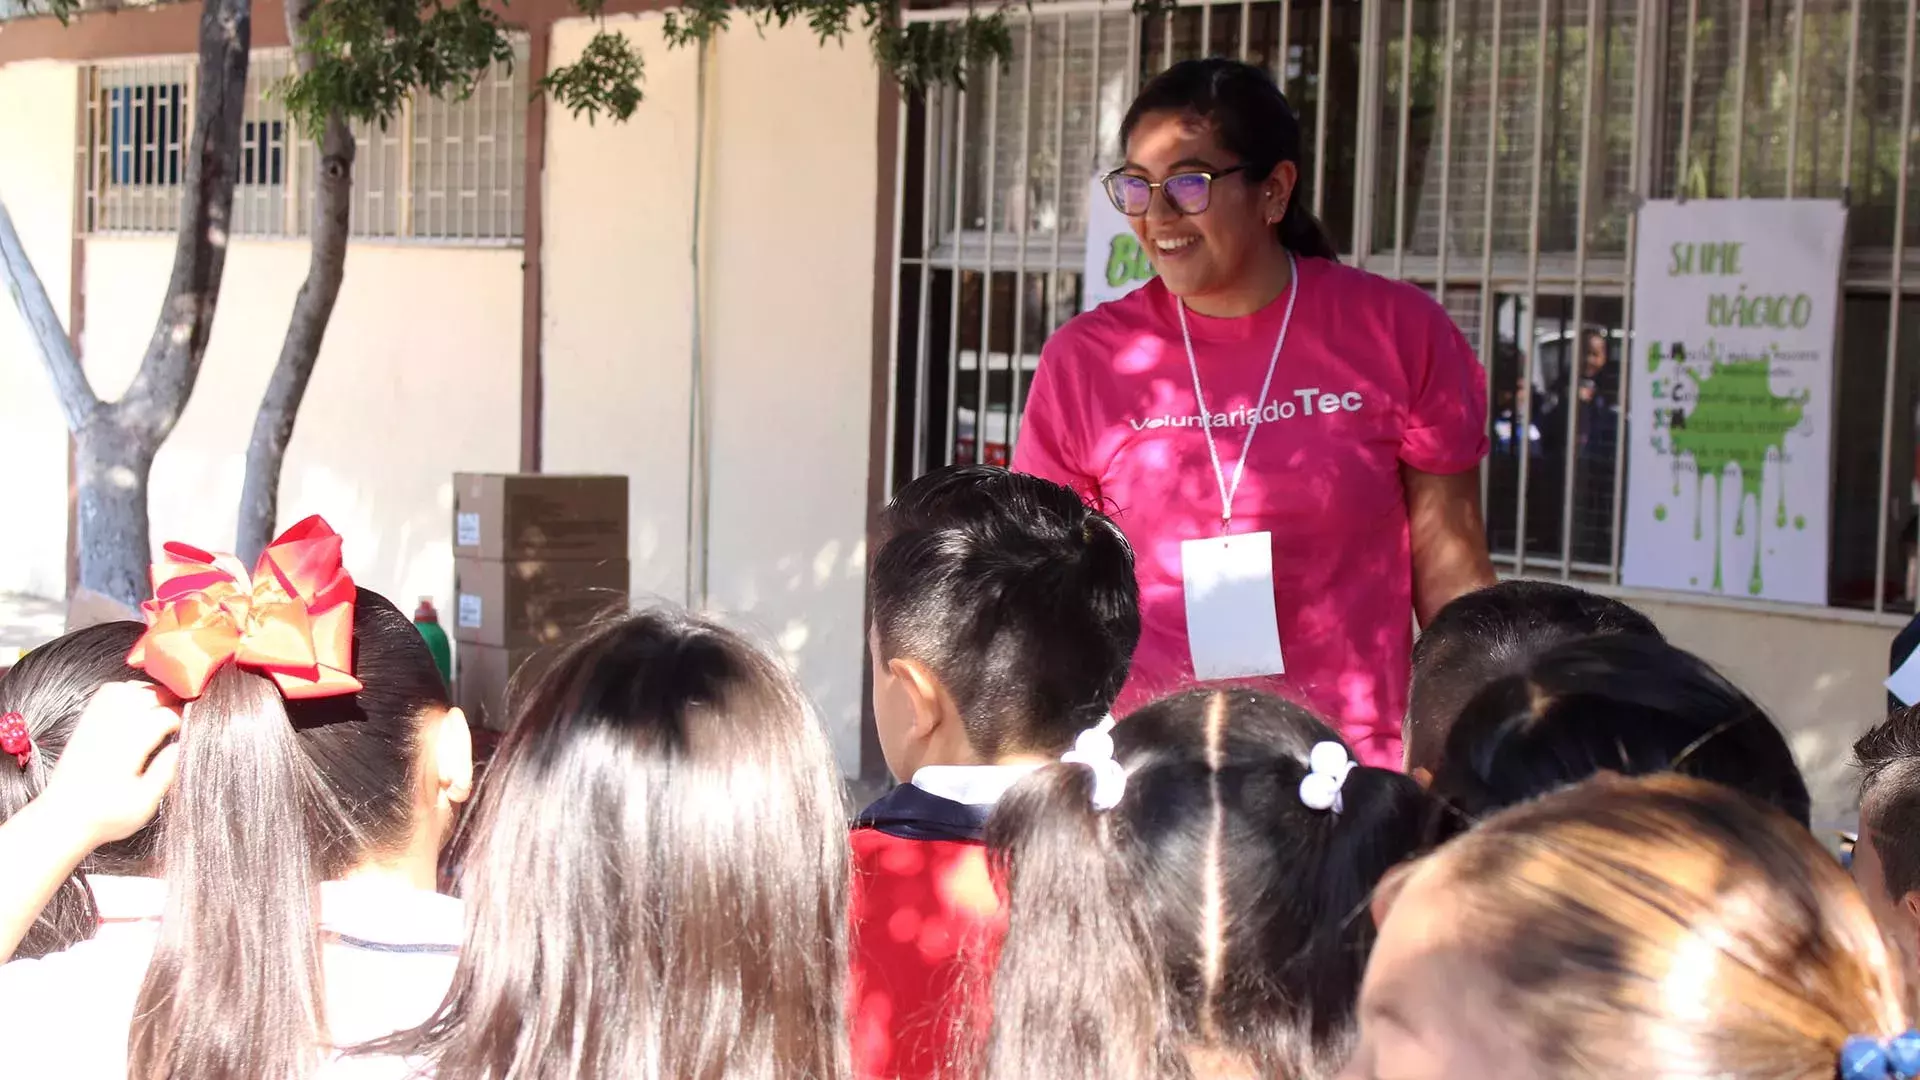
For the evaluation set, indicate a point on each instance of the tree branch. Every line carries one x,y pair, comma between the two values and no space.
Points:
159,392
312,310
77,399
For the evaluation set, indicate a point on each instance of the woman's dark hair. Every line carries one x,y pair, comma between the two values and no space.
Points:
1018,596
272,798
1613,703
677,799
50,688
1210,911
1253,120
1493,632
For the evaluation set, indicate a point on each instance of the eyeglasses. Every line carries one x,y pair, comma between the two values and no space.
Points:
1187,192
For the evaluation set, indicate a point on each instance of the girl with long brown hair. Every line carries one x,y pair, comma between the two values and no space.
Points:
658,882
1632,929
319,765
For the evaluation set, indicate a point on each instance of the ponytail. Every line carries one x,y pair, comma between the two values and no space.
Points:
233,989
1380,825
274,797
1302,233
1103,1011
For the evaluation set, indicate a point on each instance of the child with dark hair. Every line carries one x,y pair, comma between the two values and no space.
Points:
1494,632
1189,896
1004,614
41,701
319,765
1886,857
1619,703
657,886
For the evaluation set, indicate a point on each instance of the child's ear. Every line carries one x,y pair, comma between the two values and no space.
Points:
453,751
1422,776
925,693
1910,907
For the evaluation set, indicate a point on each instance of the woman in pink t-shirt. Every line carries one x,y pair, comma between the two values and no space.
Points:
1290,444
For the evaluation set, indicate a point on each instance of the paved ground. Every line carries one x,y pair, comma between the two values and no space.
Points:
26,622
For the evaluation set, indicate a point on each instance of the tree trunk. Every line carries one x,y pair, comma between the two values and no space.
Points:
112,464
312,308
77,400
115,444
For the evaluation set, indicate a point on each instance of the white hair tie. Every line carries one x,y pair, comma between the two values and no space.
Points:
1094,749
1327,769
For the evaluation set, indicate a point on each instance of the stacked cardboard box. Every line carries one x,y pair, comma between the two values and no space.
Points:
536,558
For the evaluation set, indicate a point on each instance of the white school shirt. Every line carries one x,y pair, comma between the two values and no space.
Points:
388,956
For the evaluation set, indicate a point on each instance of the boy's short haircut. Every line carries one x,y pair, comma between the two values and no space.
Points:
1495,632
1016,595
1889,760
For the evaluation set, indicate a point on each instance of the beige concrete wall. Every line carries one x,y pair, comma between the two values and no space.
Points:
617,298
38,106
789,250
1821,678
786,330
419,378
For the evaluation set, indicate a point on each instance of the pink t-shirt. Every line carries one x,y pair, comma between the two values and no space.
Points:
1374,374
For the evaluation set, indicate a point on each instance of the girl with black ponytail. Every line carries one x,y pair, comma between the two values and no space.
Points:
1260,392
1189,893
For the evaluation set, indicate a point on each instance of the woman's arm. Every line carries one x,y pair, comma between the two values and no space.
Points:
104,789
1449,538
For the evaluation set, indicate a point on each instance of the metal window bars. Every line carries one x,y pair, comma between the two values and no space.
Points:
443,171
1492,150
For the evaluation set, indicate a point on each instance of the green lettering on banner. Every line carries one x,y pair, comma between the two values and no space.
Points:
1126,261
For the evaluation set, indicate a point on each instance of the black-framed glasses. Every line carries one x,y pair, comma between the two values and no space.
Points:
1186,192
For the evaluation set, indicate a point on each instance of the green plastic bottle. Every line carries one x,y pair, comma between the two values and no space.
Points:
427,621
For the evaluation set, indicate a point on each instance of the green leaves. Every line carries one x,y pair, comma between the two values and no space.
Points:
921,55
606,79
367,57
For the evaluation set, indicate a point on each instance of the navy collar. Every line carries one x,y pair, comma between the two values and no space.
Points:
909,813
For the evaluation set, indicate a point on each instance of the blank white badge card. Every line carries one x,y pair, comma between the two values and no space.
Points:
1232,628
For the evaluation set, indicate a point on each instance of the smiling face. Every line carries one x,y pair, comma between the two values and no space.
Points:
1226,248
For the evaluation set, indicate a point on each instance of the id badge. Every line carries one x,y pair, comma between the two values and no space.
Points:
1232,627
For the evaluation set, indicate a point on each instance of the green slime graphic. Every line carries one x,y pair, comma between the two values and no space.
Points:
1738,420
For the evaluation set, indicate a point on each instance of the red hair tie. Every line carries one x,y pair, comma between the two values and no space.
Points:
290,620
15,739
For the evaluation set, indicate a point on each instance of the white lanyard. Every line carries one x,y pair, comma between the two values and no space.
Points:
1228,491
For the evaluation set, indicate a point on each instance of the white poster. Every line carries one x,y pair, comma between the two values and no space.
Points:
1734,304
1116,265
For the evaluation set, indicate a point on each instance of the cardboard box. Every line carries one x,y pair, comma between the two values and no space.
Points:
490,682
531,602
537,516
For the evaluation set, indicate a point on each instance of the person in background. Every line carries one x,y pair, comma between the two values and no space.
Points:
319,765
658,879
1188,896
1623,929
1291,445
1886,857
41,701
1494,632
1004,615
1618,703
